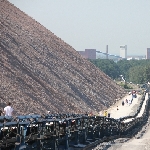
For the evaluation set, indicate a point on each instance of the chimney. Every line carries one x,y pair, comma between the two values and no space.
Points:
106,51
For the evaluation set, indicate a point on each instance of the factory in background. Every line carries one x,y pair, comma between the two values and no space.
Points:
88,53
123,51
91,53
97,54
148,53
106,51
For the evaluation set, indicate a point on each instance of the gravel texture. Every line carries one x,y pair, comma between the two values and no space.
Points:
39,72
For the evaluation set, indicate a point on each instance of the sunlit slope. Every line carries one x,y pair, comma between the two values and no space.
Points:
40,72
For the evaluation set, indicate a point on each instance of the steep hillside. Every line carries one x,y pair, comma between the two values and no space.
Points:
40,72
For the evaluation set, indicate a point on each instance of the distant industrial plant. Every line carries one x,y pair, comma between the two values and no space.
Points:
96,54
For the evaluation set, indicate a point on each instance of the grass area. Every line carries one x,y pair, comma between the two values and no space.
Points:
127,85
130,86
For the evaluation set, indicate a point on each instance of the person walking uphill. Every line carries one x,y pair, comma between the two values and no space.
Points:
8,110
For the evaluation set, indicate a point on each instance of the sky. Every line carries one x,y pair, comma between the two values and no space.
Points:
93,24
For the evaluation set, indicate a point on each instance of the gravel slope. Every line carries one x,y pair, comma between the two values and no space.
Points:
39,72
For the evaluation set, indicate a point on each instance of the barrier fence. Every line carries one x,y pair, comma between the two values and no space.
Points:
65,131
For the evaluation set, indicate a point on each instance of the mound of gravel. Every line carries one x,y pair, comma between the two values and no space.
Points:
39,72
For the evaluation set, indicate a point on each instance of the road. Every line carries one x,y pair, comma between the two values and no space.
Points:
125,110
140,141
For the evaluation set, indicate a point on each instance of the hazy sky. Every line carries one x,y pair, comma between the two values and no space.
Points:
94,24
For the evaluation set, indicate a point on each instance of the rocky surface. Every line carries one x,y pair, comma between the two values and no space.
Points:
40,72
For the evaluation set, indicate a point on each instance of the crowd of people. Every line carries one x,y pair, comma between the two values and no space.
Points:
7,111
126,102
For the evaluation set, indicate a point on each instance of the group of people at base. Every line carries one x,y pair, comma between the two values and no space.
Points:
128,102
8,110
106,114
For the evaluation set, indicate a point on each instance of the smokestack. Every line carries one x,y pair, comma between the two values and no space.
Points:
106,51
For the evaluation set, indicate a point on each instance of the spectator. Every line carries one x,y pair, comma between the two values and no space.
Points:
8,110
1,112
129,102
105,113
122,103
100,113
117,108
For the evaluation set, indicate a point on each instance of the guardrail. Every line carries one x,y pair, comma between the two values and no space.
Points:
64,131
138,110
131,128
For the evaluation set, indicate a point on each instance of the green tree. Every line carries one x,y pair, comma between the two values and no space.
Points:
128,69
137,74
108,66
136,71
147,73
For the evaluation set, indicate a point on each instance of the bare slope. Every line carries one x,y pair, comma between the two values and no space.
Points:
40,72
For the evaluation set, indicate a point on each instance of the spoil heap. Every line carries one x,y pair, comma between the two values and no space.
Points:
40,72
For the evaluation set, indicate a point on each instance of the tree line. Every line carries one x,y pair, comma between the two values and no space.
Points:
136,71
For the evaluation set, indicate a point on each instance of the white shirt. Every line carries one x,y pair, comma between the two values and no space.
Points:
129,101
8,111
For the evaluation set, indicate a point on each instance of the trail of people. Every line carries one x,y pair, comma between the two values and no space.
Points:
118,110
136,143
142,109
141,141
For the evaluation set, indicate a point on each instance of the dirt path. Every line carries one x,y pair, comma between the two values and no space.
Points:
142,139
140,142
125,110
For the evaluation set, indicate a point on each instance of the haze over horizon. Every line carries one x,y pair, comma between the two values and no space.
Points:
86,24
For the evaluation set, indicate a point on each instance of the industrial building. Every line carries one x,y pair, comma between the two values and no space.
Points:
148,53
123,51
88,53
